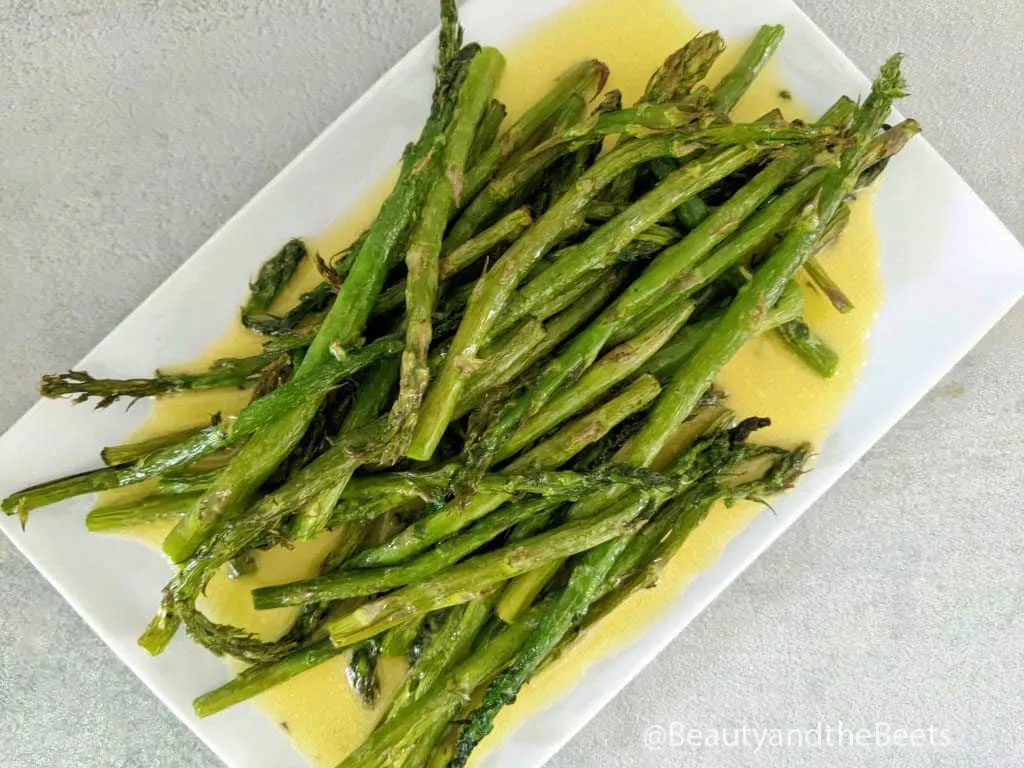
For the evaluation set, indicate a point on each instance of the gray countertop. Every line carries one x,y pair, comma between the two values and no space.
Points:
133,130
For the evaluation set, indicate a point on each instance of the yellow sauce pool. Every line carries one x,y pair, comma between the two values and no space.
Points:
317,708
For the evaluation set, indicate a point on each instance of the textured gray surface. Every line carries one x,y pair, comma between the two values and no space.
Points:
131,131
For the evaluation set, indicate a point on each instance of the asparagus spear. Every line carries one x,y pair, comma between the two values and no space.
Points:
432,487
113,517
262,677
126,453
672,82
362,670
601,248
667,359
311,302
345,321
633,121
354,447
207,441
737,81
372,397
556,330
805,343
819,276
876,155
313,386
237,372
424,248
450,645
730,90
679,519
684,69
569,606
564,173
271,279
706,454
487,131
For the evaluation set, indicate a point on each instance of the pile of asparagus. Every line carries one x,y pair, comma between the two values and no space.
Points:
500,398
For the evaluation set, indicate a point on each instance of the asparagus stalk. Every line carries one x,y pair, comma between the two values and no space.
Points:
522,173
262,677
585,585
737,81
423,251
237,372
672,82
684,69
311,302
679,519
812,350
399,640
691,464
207,441
601,248
361,581
560,178
115,517
583,287
313,386
556,330
569,606
490,125
185,483
126,453
819,276
372,397
634,121
667,359
876,155
273,276
362,670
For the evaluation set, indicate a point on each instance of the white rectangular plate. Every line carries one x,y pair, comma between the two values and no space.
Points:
949,267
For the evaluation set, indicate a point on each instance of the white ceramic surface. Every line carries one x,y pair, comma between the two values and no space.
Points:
950,271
